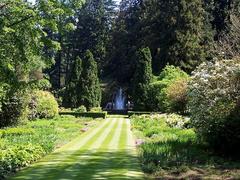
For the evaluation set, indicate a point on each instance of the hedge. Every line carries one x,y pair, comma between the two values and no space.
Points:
131,113
86,114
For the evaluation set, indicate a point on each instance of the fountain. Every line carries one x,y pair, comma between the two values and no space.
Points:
119,101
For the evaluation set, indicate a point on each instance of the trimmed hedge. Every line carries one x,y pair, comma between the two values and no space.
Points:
131,113
86,114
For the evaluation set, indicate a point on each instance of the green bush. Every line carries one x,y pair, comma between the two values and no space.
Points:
162,96
96,109
43,105
81,109
13,108
16,132
214,104
176,96
18,156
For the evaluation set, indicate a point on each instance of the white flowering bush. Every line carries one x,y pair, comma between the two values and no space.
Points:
214,103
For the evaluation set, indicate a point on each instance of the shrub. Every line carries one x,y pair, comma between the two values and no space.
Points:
162,96
86,114
13,106
96,109
214,101
81,109
176,96
43,105
42,84
18,156
16,132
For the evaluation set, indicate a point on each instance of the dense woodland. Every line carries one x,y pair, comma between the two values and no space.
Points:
51,36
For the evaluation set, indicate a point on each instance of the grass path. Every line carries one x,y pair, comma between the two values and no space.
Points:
105,152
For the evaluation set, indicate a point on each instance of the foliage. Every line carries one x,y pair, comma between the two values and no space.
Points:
73,96
42,84
175,152
19,156
91,92
179,33
96,109
214,95
142,78
159,91
165,147
176,96
102,114
13,106
16,132
22,145
81,109
91,25
43,105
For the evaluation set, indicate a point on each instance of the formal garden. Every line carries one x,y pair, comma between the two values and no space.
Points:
125,89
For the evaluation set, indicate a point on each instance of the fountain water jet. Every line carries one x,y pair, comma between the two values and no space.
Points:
119,100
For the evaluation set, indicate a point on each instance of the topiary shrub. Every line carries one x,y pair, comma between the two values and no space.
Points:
214,104
162,95
43,105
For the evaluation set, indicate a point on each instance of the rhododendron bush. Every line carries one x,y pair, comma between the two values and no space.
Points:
214,103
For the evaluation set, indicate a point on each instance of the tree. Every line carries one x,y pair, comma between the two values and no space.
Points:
73,94
91,92
142,78
186,49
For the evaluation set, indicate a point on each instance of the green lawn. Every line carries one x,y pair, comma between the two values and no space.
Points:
105,152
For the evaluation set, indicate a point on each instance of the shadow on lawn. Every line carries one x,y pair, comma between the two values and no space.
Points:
175,159
106,164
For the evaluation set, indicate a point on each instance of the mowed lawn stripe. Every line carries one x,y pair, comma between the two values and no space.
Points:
102,153
79,157
83,164
113,145
56,162
98,165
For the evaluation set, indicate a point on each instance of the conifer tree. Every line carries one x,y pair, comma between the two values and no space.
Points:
91,92
186,50
142,78
73,97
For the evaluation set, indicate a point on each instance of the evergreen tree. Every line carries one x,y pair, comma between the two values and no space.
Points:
91,92
142,78
186,49
73,94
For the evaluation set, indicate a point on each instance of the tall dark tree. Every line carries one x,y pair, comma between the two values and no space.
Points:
91,92
73,94
94,23
142,78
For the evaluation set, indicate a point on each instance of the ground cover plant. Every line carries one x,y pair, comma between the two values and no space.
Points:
171,150
24,144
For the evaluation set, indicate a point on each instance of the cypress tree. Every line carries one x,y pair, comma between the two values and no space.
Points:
73,96
142,78
91,92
